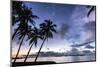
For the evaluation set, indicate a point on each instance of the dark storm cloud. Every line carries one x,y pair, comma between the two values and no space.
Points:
89,47
63,30
82,44
90,26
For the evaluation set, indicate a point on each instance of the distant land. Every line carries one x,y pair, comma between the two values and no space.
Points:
58,54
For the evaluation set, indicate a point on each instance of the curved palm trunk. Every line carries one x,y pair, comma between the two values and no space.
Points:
92,8
28,53
40,49
15,33
18,50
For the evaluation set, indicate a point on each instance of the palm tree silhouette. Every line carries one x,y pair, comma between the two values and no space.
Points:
16,11
92,8
33,38
22,32
47,30
25,15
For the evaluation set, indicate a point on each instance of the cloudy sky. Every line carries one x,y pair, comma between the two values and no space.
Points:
73,27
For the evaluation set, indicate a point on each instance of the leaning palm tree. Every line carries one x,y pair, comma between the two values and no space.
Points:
22,32
33,38
25,15
92,8
47,30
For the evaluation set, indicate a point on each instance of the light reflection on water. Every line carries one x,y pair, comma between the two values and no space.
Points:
62,59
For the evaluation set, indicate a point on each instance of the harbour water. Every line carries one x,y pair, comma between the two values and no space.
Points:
62,59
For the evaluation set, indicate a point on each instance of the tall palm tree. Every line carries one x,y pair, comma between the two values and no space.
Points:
33,38
47,30
25,15
22,32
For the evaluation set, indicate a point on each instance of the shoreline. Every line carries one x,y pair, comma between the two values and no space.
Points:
32,63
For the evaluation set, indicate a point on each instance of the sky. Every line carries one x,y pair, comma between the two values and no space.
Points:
73,27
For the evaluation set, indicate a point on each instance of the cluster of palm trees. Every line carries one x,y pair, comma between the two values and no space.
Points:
24,19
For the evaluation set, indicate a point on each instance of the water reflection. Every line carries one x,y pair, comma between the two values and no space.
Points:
62,59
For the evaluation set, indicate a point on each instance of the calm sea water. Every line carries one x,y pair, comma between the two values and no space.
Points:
62,59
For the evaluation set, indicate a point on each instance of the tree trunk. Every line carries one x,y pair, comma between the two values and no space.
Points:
28,53
15,33
40,49
18,50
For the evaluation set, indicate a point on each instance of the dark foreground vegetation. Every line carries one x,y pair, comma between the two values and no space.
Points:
32,63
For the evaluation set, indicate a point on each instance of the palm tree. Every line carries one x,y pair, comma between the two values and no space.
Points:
16,11
33,38
47,30
92,8
22,32
25,15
